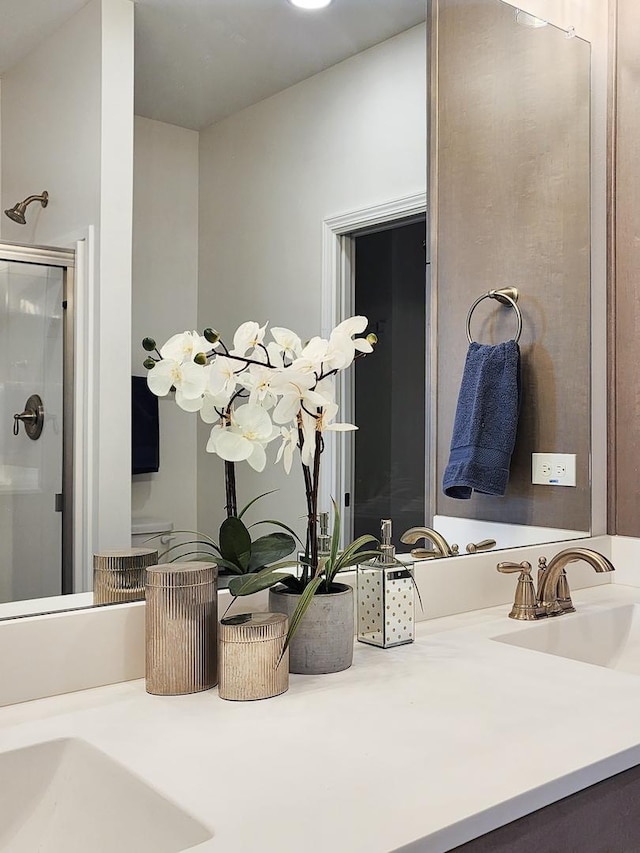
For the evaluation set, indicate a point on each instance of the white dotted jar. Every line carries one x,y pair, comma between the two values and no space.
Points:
386,604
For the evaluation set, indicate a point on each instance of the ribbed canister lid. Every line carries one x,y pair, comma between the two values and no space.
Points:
253,627
182,574
118,560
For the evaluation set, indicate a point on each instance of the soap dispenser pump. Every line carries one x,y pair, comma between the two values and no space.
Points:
324,539
387,550
386,606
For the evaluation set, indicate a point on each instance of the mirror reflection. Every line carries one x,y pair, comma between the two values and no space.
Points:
279,175
512,192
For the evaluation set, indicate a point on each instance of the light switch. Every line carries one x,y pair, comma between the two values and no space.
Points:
553,469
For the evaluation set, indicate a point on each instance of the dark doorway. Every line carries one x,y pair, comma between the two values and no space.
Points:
389,446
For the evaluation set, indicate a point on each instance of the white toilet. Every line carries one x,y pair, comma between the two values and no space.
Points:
144,528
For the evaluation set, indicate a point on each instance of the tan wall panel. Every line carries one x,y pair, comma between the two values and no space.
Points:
513,209
627,272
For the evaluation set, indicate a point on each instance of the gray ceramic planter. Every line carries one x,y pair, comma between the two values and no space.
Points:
324,639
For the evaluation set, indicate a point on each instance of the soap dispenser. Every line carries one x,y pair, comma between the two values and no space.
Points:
386,597
324,539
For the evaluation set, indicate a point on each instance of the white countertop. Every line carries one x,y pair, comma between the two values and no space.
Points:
418,748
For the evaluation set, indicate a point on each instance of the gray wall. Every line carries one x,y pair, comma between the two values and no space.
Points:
625,296
513,209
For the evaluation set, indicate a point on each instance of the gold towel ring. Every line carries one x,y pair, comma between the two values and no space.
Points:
508,296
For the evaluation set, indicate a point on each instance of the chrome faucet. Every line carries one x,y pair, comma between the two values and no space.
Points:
553,597
441,547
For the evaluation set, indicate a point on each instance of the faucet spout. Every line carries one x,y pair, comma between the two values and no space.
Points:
441,546
551,576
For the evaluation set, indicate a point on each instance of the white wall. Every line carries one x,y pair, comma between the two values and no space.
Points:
51,107
67,127
350,137
165,300
112,512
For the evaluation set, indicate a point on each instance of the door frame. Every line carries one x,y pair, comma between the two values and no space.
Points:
337,300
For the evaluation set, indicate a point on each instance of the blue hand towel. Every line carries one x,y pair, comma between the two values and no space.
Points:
484,430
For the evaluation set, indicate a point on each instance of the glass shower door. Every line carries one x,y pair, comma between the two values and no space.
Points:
31,461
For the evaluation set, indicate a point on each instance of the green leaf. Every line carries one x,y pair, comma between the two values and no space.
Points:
282,525
351,550
267,549
359,557
251,503
301,609
227,564
204,557
196,533
189,542
235,542
256,582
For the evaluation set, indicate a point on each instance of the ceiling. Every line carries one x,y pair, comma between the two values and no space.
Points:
197,61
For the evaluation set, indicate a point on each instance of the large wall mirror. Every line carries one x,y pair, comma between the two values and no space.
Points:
279,174
511,193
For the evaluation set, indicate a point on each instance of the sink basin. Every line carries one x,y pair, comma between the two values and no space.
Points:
65,796
609,638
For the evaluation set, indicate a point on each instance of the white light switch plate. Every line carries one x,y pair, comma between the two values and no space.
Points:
553,469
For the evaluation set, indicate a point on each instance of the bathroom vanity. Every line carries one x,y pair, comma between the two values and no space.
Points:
439,742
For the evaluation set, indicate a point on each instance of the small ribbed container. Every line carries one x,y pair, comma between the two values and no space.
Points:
250,649
181,628
119,575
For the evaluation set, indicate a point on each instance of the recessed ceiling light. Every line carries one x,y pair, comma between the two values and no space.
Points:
310,4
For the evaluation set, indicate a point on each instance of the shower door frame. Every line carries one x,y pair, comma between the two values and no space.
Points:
64,259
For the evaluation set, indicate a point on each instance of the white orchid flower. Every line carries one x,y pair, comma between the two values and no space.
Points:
274,351
211,406
188,404
286,449
311,425
288,342
258,381
190,379
311,357
223,378
295,394
343,346
247,337
245,438
184,347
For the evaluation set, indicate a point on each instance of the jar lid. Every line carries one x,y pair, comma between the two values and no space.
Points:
253,627
182,574
120,559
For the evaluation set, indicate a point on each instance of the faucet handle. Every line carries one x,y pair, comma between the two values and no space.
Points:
525,605
484,545
508,568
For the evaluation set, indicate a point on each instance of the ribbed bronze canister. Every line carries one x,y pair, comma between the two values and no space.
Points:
181,628
250,649
119,575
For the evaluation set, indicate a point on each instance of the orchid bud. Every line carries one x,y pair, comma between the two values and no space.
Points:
200,358
149,363
149,344
372,338
211,335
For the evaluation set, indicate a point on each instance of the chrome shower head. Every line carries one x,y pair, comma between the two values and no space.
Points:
17,212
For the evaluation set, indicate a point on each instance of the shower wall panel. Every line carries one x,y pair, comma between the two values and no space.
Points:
31,344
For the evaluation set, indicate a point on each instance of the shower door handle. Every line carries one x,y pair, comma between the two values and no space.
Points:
32,418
